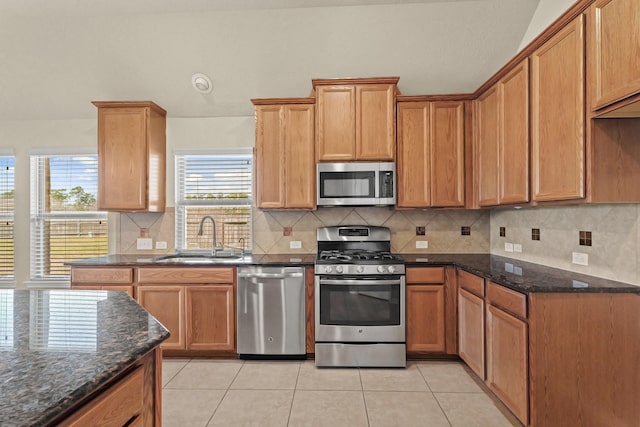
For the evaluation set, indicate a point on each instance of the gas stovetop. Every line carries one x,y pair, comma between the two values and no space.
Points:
358,256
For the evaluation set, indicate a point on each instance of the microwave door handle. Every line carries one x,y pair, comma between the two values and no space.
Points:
358,282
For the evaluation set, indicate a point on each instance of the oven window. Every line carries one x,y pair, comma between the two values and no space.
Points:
360,305
347,184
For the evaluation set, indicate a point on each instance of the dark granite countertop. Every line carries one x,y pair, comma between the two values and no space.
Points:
58,346
518,275
142,260
522,276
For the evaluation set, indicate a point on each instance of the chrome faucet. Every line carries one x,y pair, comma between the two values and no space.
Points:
214,248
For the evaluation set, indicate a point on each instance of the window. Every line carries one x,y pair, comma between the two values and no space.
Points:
7,191
65,225
217,184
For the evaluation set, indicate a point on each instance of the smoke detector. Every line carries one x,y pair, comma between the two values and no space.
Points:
201,83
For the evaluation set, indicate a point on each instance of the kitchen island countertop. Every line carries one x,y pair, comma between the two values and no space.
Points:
60,346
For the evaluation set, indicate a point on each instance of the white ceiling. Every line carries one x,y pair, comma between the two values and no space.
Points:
57,56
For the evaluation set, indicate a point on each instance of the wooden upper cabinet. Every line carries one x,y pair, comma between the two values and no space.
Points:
446,135
487,122
430,154
514,135
413,180
557,119
614,50
355,119
131,156
502,139
285,162
375,122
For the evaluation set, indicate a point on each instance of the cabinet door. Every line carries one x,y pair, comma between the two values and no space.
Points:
471,331
487,145
557,123
300,172
425,318
270,152
122,153
336,113
447,153
514,137
614,50
375,122
507,363
210,318
414,189
166,303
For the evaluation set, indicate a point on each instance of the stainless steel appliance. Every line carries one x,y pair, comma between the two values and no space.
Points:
359,184
359,299
271,311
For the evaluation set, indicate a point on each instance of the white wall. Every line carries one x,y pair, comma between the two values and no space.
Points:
546,12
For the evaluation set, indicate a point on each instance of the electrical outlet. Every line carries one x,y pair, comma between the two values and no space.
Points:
508,247
295,244
161,245
144,243
422,244
517,247
580,258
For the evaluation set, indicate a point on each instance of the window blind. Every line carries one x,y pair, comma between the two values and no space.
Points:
65,225
64,320
216,184
7,193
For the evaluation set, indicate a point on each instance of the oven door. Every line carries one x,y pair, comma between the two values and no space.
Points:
357,309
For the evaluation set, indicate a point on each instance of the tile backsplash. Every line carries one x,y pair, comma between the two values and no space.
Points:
442,229
615,237
615,233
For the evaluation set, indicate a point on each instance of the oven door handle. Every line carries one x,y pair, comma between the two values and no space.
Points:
358,282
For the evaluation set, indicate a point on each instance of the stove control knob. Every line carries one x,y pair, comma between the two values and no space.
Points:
338,269
359,269
328,269
391,269
380,269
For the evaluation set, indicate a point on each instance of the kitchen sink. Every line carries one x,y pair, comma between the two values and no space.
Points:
221,256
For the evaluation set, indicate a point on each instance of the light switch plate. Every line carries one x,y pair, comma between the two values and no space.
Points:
144,243
580,258
161,245
422,244
295,244
508,247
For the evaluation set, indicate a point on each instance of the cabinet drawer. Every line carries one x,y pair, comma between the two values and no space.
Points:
471,282
102,275
425,275
115,407
181,275
511,301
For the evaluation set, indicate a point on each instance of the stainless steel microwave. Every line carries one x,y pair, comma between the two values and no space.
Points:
356,184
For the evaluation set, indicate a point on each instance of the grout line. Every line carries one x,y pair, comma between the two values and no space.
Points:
224,395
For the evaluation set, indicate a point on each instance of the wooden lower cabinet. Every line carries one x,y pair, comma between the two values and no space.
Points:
425,318
471,331
131,400
210,318
103,279
166,303
507,360
197,305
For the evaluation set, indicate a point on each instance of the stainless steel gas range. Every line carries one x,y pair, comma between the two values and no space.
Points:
359,298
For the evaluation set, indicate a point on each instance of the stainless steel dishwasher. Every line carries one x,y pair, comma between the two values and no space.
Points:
271,312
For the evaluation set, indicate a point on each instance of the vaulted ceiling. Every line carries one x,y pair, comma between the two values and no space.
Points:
58,56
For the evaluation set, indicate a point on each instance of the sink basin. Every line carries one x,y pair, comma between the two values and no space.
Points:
221,256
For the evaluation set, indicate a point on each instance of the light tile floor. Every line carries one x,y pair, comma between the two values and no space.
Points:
201,393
